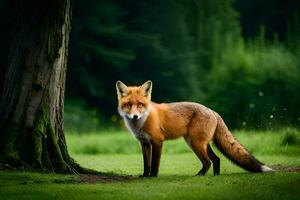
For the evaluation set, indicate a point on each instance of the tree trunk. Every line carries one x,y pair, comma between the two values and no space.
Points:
32,104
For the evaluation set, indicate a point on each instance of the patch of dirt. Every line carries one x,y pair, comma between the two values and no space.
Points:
90,177
93,178
285,168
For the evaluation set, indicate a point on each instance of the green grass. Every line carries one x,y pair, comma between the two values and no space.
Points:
119,153
178,164
229,186
122,142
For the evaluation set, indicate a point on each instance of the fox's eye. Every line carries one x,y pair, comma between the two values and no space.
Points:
140,105
127,105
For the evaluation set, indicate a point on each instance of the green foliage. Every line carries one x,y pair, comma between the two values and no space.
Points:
212,52
291,137
254,84
113,42
192,51
78,118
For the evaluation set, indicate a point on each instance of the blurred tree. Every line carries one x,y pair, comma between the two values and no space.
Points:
272,14
133,42
4,34
216,21
170,60
101,48
31,109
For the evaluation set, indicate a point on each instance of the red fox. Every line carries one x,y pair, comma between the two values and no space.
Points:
152,123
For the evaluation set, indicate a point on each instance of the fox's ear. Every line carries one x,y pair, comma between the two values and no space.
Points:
146,88
121,89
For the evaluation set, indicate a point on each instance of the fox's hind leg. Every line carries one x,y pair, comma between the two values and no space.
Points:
200,149
200,132
215,160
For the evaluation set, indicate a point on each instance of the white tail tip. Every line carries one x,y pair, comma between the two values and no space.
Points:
265,168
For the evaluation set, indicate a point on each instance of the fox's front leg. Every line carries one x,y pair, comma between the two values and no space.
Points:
156,154
147,154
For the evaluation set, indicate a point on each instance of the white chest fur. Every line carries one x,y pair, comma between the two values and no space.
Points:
135,127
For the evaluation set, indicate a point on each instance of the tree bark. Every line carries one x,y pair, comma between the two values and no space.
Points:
32,104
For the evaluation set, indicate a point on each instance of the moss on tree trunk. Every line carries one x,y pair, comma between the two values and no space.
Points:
32,104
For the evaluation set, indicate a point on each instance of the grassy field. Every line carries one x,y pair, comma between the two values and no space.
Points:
118,152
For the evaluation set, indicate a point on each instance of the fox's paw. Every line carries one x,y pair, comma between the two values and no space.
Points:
201,173
153,175
144,175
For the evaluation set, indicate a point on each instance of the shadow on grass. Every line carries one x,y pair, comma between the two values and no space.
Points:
111,177
30,175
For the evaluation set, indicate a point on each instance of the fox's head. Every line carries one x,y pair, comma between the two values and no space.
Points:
134,101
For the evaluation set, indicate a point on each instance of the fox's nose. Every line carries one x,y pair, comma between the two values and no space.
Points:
135,116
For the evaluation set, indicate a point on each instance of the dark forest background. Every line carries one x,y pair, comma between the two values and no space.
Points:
240,58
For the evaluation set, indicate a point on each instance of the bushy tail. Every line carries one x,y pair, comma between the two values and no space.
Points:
233,150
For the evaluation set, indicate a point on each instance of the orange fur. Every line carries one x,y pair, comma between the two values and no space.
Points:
153,123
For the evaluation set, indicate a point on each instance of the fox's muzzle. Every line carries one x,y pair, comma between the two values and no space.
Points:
134,116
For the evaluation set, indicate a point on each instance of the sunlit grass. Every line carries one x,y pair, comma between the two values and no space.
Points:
186,164
122,142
